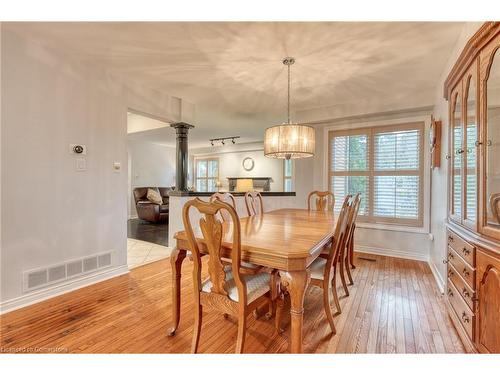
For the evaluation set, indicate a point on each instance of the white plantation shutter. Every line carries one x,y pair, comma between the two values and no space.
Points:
385,165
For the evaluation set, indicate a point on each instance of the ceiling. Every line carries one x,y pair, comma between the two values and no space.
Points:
233,73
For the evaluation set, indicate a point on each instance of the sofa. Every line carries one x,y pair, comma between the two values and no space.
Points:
149,211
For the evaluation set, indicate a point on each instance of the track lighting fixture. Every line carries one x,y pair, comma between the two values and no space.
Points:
223,140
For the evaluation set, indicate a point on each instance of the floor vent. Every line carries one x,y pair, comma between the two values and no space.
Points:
42,277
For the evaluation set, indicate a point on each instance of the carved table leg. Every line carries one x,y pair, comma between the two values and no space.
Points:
176,259
296,283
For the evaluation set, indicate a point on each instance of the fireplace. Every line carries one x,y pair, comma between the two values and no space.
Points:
259,183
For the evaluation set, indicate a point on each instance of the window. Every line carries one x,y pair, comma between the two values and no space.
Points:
287,175
207,174
385,165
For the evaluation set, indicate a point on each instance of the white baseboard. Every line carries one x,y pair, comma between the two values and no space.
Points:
437,276
130,217
392,253
56,290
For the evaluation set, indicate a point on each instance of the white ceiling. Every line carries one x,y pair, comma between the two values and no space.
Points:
232,71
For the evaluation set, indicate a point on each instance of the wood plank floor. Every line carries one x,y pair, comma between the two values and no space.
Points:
393,307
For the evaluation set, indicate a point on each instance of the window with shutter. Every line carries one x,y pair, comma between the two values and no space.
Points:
385,165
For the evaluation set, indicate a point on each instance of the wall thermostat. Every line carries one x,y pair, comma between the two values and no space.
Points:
77,149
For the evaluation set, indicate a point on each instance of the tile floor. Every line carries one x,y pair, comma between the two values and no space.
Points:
141,252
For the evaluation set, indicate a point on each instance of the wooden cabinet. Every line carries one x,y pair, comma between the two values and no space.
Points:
488,298
473,248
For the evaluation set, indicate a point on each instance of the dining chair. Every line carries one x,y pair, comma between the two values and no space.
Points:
324,201
224,197
226,289
247,268
349,247
324,270
253,202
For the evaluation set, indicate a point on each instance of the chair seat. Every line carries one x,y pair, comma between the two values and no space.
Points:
318,268
257,285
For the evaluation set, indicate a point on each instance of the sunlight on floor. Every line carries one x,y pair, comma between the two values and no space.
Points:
141,252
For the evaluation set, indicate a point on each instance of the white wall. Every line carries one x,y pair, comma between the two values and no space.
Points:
50,212
151,165
439,175
231,158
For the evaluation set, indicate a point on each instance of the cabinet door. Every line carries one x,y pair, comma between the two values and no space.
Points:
488,306
471,146
457,140
490,140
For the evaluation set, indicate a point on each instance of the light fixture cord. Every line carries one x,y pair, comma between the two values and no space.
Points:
289,85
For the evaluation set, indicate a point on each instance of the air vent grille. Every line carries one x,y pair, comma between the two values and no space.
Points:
38,278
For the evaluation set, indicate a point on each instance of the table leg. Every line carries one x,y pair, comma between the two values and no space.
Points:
176,259
296,283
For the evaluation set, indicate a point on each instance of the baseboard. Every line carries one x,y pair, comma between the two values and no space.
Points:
56,290
437,276
130,217
391,253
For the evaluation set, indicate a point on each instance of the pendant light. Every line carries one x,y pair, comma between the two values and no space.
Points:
289,140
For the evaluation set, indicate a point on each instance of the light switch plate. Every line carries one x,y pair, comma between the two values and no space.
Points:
81,164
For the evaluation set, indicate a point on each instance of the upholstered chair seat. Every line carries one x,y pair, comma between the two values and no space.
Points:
257,285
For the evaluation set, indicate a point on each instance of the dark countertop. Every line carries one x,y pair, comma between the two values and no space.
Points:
234,193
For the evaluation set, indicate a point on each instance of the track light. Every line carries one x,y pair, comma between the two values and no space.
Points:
223,140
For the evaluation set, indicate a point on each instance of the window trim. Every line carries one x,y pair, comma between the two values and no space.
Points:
361,125
207,159
288,177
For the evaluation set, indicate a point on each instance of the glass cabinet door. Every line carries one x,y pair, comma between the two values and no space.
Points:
456,158
492,149
471,151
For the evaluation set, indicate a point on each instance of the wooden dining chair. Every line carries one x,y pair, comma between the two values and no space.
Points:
349,247
226,289
324,270
323,201
224,197
253,202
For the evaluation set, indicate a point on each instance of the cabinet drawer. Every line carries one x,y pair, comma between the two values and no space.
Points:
462,247
462,311
465,270
465,290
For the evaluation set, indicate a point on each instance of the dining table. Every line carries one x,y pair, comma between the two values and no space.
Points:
287,240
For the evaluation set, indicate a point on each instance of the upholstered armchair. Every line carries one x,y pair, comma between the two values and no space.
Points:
147,210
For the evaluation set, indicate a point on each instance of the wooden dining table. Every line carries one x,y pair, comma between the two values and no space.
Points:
288,240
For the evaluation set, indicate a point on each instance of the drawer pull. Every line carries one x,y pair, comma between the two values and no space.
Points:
465,272
450,238
450,256
445,261
465,293
465,251
450,293
465,318
450,273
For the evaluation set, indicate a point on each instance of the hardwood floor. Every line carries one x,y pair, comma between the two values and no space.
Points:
394,307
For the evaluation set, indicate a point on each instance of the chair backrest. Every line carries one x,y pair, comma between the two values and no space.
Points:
339,236
253,201
323,201
224,197
213,233
353,214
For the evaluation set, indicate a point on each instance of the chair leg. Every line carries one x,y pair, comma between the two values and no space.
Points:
196,328
342,275
280,306
273,294
242,325
326,304
334,291
351,253
348,270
